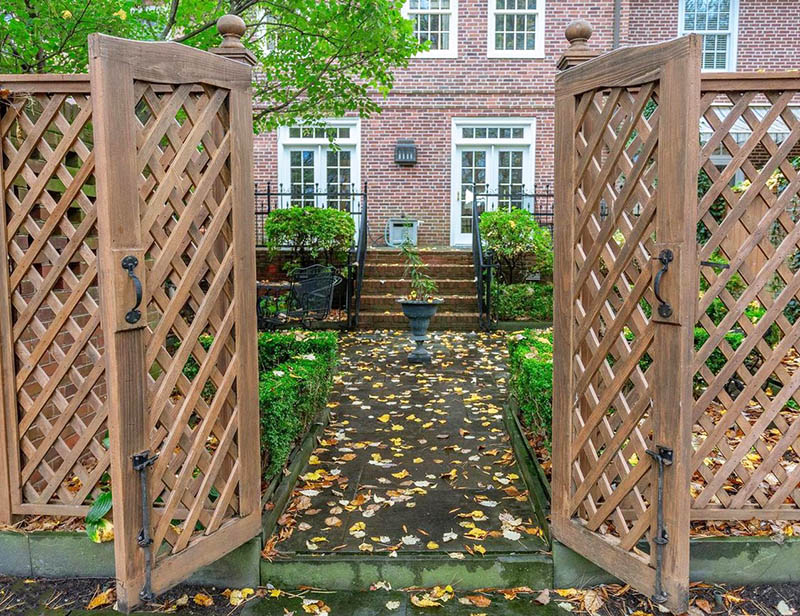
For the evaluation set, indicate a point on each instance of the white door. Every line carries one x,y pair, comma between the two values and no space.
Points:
490,176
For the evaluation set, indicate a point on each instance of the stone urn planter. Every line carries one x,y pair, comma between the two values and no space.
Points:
419,305
419,314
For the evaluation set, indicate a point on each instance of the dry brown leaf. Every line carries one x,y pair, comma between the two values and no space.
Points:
479,600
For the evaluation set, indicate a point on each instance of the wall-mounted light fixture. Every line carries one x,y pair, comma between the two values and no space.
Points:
405,152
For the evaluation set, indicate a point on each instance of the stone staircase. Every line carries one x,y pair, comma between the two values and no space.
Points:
453,272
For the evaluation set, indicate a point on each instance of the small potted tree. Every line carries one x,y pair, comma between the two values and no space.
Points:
419,305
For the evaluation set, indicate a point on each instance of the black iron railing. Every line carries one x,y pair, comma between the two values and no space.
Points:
538,202
343,197
360,259
482,260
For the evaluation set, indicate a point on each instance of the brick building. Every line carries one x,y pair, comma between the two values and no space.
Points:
479,105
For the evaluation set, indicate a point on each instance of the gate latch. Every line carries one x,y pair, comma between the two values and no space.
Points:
664,457
141,462
665,257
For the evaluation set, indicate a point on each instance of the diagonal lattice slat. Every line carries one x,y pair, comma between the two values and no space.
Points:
747,433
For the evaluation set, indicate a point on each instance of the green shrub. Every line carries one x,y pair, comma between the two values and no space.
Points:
295,376
309,233
514,237
277,347
531,382
532,301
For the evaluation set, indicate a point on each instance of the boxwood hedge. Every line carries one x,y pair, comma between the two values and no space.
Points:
531,383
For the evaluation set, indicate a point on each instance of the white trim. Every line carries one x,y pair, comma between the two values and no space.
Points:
452,50
528,142
287,144
536,52
733,32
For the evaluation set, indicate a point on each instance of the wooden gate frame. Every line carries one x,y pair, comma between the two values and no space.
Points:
114,66
675,65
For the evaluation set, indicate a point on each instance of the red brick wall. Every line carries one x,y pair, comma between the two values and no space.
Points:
431,91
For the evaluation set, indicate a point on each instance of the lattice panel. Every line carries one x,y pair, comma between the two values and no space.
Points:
183,154
615,175
48,171
746,457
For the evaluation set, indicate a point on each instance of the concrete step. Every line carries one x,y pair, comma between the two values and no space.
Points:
388,301
356,572
379,286
395,319
440,257
391,271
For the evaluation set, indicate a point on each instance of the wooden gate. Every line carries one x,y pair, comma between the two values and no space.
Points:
626,148
173,142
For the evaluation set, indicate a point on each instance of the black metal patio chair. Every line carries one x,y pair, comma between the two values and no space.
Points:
311,296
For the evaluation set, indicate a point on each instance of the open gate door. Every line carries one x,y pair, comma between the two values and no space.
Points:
626,148
173,141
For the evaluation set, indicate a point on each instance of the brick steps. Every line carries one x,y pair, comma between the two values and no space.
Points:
388,301
376,286
384,283
396,271
462,321
431,257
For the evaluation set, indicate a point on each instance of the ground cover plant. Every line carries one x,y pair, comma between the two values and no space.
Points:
530,362
531,301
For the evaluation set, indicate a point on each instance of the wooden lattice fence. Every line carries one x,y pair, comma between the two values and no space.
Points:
55,342
127,319
677,307
746,446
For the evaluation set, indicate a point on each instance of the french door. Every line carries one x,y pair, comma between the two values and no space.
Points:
491,177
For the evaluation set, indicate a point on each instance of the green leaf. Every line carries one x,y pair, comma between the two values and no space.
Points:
100,531
101,506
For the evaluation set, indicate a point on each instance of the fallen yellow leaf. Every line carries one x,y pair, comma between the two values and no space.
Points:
101,599
203,599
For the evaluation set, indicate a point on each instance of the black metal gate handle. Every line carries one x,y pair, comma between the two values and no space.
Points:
665,257
129,263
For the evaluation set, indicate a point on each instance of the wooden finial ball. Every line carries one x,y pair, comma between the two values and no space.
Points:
232,28
578,32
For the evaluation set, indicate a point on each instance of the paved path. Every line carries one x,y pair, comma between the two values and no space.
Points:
416,458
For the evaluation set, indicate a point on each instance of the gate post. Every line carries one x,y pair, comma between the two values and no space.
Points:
119,236
577,33
678,151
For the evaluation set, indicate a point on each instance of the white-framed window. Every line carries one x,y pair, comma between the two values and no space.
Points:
312,171
435,21
492,165
516,29
717,21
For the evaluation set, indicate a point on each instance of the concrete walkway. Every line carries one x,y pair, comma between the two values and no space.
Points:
416,458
